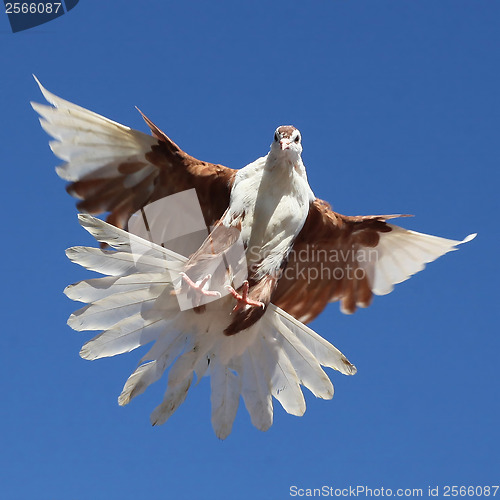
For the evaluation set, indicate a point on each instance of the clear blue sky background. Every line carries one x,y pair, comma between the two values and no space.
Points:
398,105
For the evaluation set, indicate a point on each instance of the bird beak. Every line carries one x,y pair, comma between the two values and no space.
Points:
285,144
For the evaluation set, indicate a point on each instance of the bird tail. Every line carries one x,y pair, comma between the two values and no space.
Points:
134,304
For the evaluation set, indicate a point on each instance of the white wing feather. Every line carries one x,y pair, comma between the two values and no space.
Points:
402,253
90,144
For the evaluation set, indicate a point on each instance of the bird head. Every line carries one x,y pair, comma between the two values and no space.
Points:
287,141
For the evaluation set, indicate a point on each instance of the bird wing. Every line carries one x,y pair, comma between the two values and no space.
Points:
346,258
113,168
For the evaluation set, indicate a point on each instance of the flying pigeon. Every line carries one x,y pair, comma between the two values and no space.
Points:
233,307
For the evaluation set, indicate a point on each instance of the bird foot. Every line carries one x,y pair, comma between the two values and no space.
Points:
243,300
197,291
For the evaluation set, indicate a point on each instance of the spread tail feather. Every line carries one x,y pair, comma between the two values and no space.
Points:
135,306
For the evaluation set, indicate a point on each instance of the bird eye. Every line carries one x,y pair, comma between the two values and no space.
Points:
297,139
276,137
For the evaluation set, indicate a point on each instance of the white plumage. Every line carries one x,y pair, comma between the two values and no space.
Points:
271,202
134,307
115,169
88,142
402,253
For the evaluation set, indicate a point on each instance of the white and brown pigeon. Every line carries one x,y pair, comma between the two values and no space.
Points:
247,334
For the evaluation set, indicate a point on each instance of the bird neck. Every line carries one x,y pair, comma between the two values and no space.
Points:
283,165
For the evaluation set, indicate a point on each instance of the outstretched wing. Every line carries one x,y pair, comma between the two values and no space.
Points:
113,168
337,257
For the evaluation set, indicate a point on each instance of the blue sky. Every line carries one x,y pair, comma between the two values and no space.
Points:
398,105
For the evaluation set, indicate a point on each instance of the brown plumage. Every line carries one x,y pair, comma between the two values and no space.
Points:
171,171
322,266
328,258
272,241
304,288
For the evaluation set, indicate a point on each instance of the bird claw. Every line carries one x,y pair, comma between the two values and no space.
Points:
243,300
197,291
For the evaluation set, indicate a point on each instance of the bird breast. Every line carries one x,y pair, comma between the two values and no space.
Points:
271,202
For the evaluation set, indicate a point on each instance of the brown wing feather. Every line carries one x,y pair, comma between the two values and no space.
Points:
166,170
323,266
